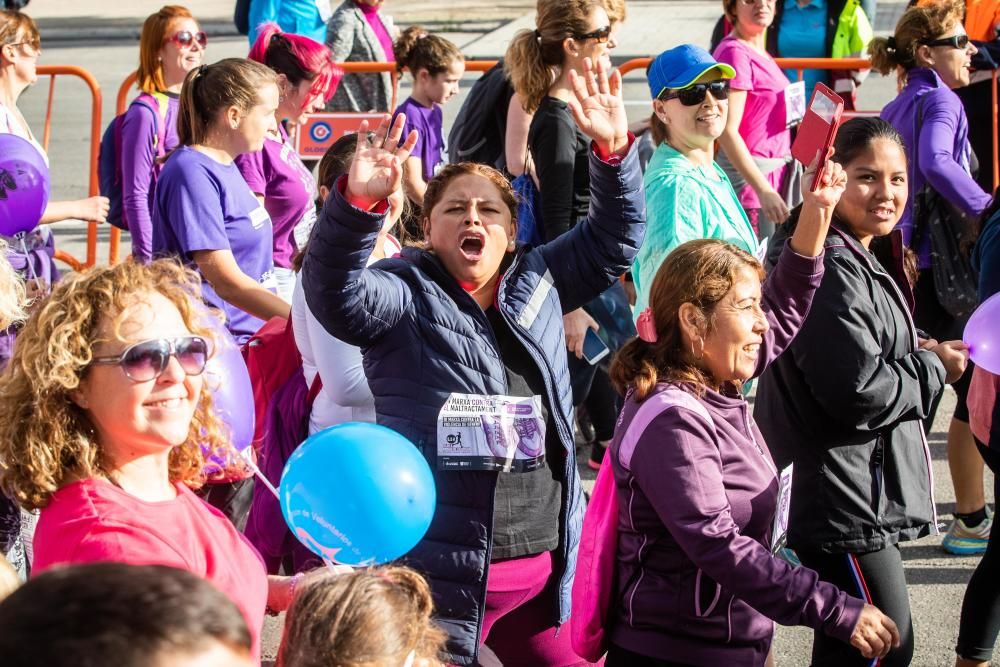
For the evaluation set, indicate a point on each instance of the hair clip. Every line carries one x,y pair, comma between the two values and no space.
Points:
645,325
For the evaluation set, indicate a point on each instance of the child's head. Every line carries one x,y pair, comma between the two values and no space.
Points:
376,618
435,63
122,615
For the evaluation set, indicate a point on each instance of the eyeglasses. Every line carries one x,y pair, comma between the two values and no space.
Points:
602,35
695,93
955,41
185,38
147,360
35,44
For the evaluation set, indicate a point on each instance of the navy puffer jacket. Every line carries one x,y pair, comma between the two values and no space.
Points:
424,337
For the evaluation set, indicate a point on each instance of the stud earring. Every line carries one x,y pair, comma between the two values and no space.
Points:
511,245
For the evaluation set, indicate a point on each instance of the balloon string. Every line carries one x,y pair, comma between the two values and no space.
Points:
20,236
260,475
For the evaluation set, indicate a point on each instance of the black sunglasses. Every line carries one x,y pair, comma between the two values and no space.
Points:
147,360
955,41
602,35
185,38
695,93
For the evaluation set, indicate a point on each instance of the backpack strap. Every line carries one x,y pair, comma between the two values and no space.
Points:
157,103
651,408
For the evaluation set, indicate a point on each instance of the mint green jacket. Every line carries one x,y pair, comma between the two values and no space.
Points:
685,202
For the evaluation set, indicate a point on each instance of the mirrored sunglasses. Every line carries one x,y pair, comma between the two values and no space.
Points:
148,359
695,94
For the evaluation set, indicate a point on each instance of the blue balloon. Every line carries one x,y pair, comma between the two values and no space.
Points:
24,185
358,494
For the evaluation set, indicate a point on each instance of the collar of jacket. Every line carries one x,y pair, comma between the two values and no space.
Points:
430,263
886,255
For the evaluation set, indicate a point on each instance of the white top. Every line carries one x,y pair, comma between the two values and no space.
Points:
11,124
345,395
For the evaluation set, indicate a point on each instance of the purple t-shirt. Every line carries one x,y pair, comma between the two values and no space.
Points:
289,191
202,204
763,127
139,168
428,122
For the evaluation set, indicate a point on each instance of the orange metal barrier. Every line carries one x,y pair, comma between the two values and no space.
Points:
54,71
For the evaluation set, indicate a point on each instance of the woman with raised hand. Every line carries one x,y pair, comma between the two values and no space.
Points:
700,502
106,423
932,52
844,404
276,174
688,196
205,212
541,65
171,45
473,317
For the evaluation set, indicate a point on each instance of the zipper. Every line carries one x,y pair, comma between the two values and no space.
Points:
912,328
879,478
753,439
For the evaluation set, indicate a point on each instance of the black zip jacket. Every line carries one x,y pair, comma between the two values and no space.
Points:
845,403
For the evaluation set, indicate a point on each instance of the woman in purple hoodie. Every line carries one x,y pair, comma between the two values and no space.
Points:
700,510
932,50
171,45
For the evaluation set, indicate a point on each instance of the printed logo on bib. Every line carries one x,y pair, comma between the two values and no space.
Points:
259,217
779,530
501,433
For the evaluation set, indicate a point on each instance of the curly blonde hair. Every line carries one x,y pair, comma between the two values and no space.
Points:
11,292
45,438
367,618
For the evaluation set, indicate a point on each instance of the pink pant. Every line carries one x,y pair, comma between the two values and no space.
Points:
520,608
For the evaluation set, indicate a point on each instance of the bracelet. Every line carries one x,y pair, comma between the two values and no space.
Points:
291,594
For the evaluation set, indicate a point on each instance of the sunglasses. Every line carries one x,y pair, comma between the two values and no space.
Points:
602,35
695,94
185,38
955,41
147,360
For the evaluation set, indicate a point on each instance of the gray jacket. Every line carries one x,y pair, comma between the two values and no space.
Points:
351,39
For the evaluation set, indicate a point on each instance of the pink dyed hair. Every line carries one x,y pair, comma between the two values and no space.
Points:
297,57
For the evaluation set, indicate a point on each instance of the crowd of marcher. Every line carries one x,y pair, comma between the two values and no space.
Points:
750,349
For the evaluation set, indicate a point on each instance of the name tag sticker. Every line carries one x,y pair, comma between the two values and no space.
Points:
259,217
779,531
795,103
499,433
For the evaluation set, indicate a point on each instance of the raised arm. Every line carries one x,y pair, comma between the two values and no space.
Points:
354,303
586,260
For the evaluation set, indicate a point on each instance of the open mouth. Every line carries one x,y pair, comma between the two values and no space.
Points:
707,118
752,350
472,247
883,213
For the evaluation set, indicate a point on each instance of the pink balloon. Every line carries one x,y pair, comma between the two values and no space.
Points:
982,335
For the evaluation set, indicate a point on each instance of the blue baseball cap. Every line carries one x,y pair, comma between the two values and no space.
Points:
681,66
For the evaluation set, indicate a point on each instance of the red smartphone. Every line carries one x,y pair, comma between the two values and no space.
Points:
818,128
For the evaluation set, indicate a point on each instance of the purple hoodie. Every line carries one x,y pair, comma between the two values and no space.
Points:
138,170
697,581
943,149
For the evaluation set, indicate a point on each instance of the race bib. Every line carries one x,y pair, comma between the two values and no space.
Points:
779,531
795,103
259,217
501,433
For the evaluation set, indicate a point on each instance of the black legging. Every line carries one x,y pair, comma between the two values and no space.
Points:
603,405
877,578
980,621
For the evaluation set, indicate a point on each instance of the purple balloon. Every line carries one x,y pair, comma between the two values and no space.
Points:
226,376
24,185
982,335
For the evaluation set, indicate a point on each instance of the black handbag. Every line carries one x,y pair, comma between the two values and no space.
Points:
955,281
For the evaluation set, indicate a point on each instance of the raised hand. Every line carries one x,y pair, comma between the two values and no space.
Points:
377,169
830,187
598,107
